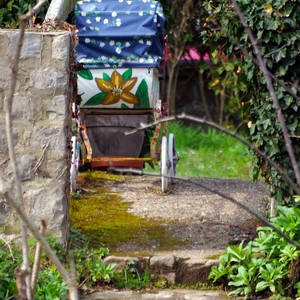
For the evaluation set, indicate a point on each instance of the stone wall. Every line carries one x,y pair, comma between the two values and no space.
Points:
41,127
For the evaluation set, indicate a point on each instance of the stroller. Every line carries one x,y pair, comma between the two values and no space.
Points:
119,54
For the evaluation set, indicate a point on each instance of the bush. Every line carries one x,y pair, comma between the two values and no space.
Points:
275,27
11,10
9,260
268,264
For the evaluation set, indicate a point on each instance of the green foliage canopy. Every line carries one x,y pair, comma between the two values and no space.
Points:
10,10
275,24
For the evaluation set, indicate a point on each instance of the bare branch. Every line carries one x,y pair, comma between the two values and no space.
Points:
270,87
5,191
184,116
9,247
24,278
37,258
41,159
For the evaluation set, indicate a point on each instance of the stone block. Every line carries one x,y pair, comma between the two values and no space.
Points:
48,78
4,211
4,42
25,164
44,200
5,78
43,78
54,167
61,47
163,267
43,134
3,144
162,262
121,261
57,108
194,270
32,45
27,107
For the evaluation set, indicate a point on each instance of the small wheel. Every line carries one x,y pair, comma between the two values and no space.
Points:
74,164
173,157
164,165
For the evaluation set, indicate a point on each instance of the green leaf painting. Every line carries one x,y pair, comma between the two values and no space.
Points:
143,95
124,106
127,74
106,76
95,100
86,74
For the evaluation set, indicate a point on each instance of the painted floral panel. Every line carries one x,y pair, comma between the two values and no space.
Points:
118,88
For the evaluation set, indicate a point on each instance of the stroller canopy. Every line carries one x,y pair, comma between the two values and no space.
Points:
119,33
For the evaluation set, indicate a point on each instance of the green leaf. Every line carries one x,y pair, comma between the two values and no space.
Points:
106,76
238,291
95,100
278,55
262,285
127,74
124,106
237,252
143,95
271,25
86,74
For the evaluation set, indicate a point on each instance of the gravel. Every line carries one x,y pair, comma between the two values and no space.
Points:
191,213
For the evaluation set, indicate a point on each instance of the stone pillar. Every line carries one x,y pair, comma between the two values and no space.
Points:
41,126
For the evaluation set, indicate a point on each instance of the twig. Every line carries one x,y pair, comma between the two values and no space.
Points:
270,87
9,247
37,258
41,159
19,204
244,207
10,198
184,116
62,173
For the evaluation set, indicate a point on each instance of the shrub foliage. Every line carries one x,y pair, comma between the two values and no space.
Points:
10,10
266,265
275,24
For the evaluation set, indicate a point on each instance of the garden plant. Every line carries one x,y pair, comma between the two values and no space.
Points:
270,263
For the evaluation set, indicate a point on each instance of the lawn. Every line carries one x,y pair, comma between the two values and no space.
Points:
210,153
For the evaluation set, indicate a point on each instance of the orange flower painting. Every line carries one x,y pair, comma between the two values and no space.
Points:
117,89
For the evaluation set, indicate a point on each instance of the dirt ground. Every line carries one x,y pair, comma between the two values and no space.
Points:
191,213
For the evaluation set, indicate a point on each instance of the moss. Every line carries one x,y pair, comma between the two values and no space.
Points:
213,256
103,218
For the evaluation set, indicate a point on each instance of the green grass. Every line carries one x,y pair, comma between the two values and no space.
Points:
210,153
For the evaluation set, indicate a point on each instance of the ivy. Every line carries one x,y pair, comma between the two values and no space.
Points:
275,24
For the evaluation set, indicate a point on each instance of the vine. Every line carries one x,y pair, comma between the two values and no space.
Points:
274,26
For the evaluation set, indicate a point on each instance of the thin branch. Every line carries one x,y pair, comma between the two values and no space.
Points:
8,106
184,116
24,277
37,258
236,202
41,159
5,191
9,247
270,87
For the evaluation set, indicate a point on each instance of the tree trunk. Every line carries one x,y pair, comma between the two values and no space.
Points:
204,98
171,86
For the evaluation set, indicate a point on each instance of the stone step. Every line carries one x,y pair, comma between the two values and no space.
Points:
173,268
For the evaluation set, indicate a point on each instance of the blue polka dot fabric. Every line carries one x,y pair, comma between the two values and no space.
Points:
119,33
